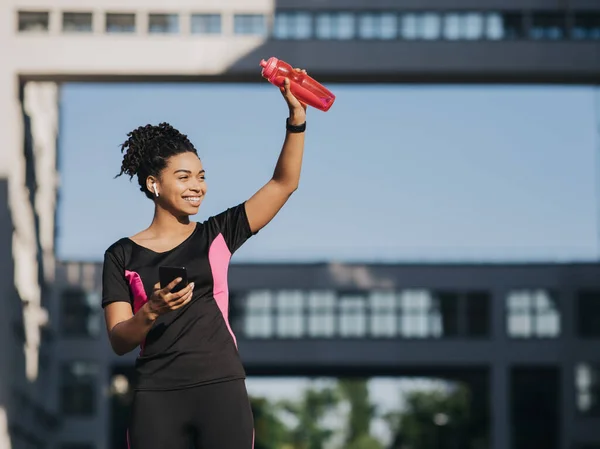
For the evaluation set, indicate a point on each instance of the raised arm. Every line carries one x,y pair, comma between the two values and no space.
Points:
268,201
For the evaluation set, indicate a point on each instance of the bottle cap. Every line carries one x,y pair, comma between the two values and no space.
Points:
269,67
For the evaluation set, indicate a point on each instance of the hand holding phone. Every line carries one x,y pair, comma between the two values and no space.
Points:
172,291
166,275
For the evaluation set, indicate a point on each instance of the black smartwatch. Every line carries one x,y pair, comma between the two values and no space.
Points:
293,128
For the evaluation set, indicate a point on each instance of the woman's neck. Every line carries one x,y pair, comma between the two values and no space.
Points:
164,222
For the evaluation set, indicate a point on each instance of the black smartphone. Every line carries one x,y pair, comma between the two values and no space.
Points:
167,275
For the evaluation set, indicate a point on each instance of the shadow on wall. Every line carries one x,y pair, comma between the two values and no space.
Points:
11,319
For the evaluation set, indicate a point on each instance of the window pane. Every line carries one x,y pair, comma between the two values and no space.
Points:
290,314
548,319
383,314
292,25
452,26
325,26
120,23
586,26
345,26
504,26
548,325
377,26
478,314
534,399
206,24
335,26
33,21
426,26
588,314
250,24
303,28
321,321
587,384
520,326
163,23
432,26
352,316
367,26
447,305
282,26
548,26
420,317
258,316
532,313
473,26
388,26
77,22
520,302
81,314
78,388
409,26
494,26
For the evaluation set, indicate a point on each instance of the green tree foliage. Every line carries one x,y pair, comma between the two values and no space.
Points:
356,392
365,442
310,411
361,413
433,420
270,431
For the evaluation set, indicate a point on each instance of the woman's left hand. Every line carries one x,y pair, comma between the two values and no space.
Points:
296,107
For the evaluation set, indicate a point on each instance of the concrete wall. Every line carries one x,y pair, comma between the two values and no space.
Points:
74,56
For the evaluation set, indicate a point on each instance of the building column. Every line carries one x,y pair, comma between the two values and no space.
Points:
567,404
40,104
500,435
33,207
500,400
10,119
22,225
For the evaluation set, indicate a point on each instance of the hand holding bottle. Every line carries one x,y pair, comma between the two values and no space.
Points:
296,107
301,86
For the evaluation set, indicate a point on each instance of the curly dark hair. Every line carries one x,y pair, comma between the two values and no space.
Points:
148,149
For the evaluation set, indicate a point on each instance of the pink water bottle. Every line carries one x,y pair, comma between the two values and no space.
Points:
303,87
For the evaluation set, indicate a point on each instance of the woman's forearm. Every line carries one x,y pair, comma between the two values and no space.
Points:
289,163
129,334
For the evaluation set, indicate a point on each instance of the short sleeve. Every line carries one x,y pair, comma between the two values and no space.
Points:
114,285
234,226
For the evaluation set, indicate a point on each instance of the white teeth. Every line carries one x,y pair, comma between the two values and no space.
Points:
194,199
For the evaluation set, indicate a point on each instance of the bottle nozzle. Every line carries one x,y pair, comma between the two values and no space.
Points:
269,67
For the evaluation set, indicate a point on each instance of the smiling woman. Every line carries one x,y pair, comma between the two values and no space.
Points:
188,363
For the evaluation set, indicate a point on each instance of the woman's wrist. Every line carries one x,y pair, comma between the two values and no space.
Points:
149,315
297,117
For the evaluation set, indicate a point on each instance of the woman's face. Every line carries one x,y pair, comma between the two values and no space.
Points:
181,185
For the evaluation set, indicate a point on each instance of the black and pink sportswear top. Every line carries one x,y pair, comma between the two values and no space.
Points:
193,345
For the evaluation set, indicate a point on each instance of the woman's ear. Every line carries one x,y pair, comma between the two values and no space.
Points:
151,185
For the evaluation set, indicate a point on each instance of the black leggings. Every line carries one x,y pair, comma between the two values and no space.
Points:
215,416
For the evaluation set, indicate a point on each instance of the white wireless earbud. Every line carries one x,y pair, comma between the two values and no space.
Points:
155,191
